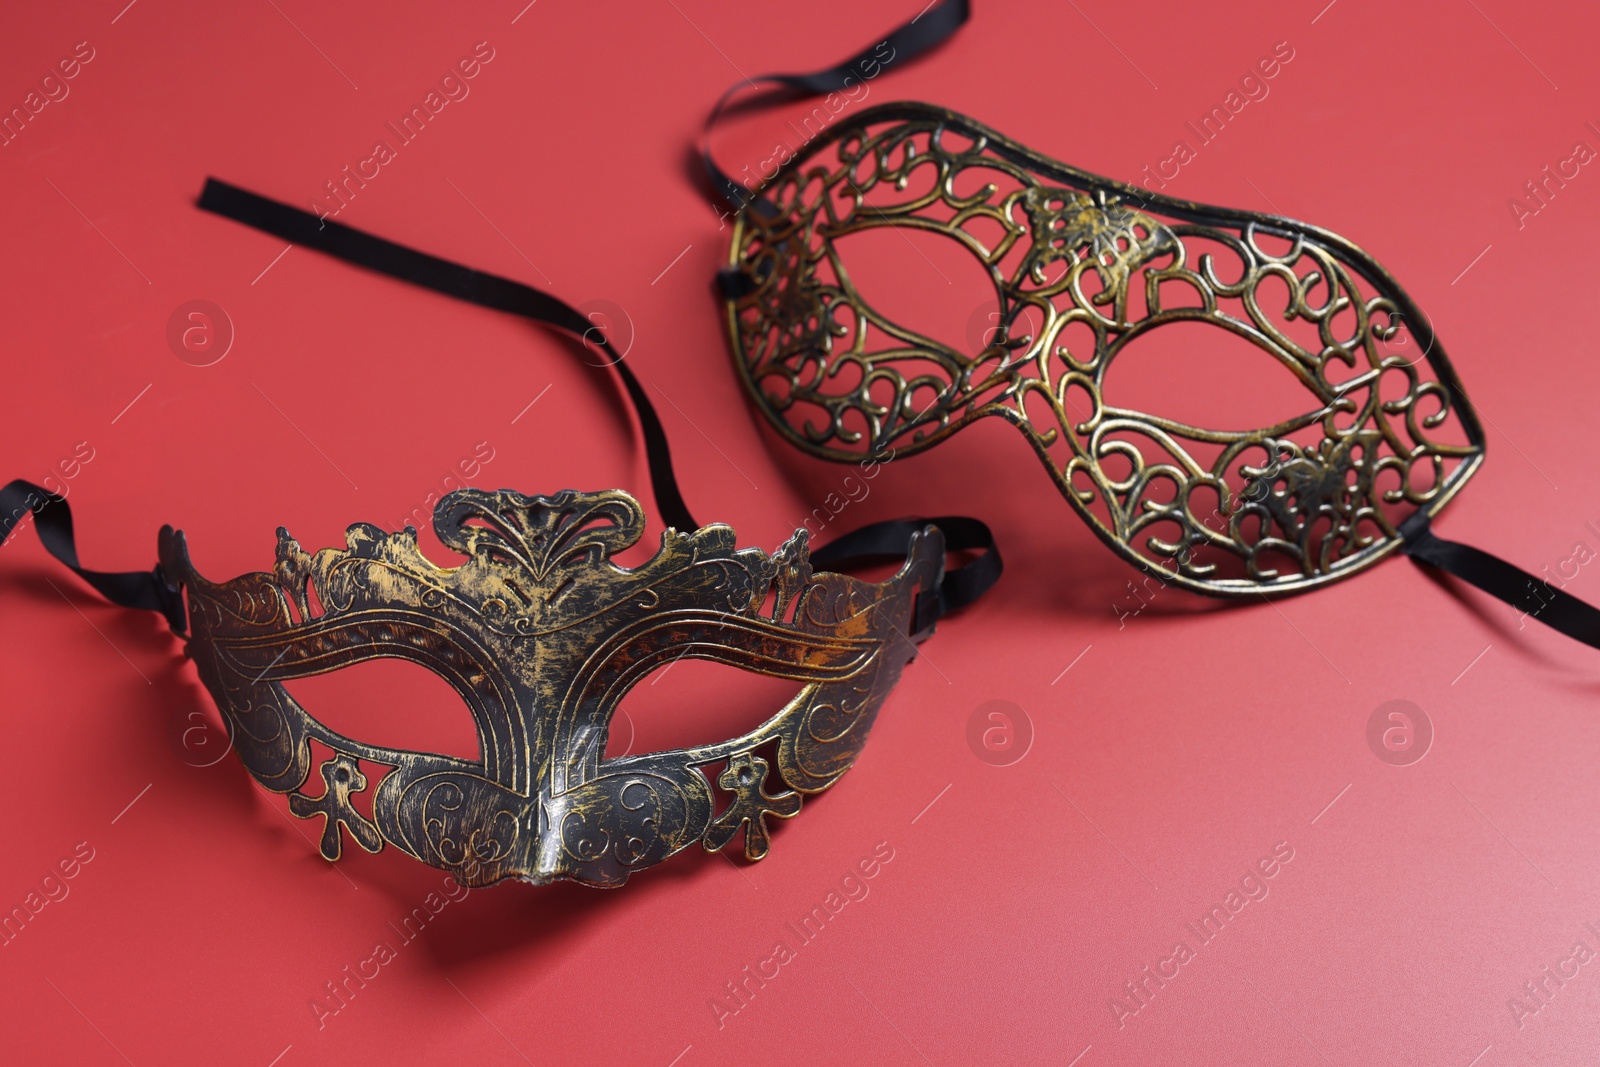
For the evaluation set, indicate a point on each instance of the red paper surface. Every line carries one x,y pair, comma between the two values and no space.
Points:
1172,752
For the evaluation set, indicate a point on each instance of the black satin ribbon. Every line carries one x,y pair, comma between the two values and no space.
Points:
463,283
935,25
888,541
961,586
52,517
1534,597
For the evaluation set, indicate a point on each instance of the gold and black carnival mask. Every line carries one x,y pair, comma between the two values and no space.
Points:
1083,270
542,635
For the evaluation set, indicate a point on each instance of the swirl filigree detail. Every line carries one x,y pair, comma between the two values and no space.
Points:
1098,266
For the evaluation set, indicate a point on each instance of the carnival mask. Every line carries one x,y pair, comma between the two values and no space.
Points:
542,635
1084,270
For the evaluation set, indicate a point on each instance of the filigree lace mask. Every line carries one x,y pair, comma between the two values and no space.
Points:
1083,269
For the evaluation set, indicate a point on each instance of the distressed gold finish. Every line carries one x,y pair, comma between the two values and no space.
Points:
1313,498
542,635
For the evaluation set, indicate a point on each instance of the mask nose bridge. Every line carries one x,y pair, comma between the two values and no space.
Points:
564,728
582,716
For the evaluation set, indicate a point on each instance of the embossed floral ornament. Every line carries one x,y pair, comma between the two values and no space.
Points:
542,634
1066,225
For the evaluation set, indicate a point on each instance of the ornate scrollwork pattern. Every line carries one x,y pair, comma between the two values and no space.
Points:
1094,266
542,635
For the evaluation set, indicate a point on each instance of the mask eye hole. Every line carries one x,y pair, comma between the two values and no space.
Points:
1208,377
692,702
919,280
390,703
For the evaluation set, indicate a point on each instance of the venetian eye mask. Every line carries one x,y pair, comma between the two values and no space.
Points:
1085,272
542,635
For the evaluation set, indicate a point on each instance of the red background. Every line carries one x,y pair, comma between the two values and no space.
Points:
1177,751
